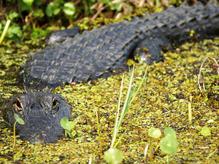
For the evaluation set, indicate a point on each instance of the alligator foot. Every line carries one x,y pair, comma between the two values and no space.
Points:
150,49
60,36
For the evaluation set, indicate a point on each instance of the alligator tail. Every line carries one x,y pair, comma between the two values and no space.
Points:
177,23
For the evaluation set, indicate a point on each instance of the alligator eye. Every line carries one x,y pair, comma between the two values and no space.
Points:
18,106
55,104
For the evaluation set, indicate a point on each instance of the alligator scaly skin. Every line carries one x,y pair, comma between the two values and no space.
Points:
99,52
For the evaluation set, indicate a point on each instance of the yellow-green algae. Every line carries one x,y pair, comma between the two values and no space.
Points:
163,101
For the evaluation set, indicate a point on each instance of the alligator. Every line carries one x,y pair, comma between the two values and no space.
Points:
74,56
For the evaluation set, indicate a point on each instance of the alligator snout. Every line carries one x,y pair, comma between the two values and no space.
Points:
41,113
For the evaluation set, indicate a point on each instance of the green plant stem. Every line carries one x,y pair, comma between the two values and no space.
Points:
127,100
120,138
115,131
146,151
139,87
5,30
130,95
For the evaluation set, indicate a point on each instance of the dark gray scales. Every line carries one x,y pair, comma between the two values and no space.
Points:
99,52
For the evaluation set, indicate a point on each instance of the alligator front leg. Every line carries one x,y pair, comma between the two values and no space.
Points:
58,37
150,49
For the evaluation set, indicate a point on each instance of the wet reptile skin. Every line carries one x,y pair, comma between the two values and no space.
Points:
97,53
94,54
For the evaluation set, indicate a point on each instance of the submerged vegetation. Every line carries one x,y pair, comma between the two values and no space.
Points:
182,93
161,102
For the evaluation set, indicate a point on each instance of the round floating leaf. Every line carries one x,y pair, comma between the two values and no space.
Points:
66,124
14,32
69,8
169,131
52,9
205,131
116,6
38,13
113,156
13,15
38,33
105,1
169,144
28,2
18,119
154,132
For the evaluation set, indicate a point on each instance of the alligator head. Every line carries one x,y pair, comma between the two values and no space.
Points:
41,113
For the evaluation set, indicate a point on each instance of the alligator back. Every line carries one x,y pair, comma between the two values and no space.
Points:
99,52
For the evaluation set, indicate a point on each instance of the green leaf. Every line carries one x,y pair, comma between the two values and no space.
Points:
154,132
38,2
38,33
169,144
116,6
113,156
13,15
69,8
28,2
169,131
66,124
38,13
205,131
53,9
18,119
105,2
14,32
24,6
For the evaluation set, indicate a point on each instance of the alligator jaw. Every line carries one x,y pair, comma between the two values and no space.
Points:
41,112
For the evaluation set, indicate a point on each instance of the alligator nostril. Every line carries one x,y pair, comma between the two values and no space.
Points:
32,106
36,106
